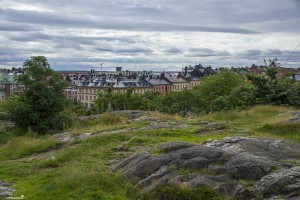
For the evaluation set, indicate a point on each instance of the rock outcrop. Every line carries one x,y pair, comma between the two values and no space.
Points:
5,189
240,167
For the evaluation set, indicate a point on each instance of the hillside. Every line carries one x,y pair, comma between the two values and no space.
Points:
92,160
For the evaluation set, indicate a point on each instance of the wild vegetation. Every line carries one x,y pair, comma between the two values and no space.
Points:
43,166
40,105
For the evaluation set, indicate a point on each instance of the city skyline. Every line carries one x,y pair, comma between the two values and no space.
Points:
152,35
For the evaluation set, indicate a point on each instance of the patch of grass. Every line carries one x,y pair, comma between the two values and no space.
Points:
109,122
155,137
258,121
247,183
222,116
253,116
74,173
108,119
289,161
165,116
23,146
180,193
283,131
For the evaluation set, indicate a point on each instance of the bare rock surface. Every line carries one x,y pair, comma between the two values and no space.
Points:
241,167
5,189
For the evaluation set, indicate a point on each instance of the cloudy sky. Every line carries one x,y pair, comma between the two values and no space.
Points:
149,34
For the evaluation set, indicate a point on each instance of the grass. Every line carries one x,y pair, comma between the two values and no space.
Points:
107,122
165,116
23,146
259,121
82,172
181,193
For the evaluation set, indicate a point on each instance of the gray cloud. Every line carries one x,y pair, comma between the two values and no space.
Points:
85,21
173,50
153,34
206,52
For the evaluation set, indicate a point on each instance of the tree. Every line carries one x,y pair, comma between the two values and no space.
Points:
271,88
40,106
271,67
212,88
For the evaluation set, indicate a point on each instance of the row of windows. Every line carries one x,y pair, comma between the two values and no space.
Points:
96,91
137,91
194,84
71,93
140,91
87,98
90,90
178,87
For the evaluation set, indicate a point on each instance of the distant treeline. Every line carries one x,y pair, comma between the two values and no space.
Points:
223,91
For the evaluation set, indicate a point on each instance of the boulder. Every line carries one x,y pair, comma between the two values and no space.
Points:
286,181
237,166
5,189
173,146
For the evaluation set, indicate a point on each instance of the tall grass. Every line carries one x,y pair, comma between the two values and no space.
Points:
107,121
261,121
254,116
23,146
284,131
165,116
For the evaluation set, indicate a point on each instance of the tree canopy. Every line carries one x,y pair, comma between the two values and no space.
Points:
40,104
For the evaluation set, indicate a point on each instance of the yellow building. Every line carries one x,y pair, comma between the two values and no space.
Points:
194,82
178,83
89,91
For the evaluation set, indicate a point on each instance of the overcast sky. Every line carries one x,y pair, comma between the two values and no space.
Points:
149,34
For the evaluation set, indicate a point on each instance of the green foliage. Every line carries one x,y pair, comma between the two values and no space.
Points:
180,102
175,102
220,103
294,94
271,67
242,96
272,89
220,84
39,106
83,172
219,91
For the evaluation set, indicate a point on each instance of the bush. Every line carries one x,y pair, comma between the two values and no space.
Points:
38,105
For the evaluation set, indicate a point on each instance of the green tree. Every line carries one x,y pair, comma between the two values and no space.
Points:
271,67
273,89
40,106
212,88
